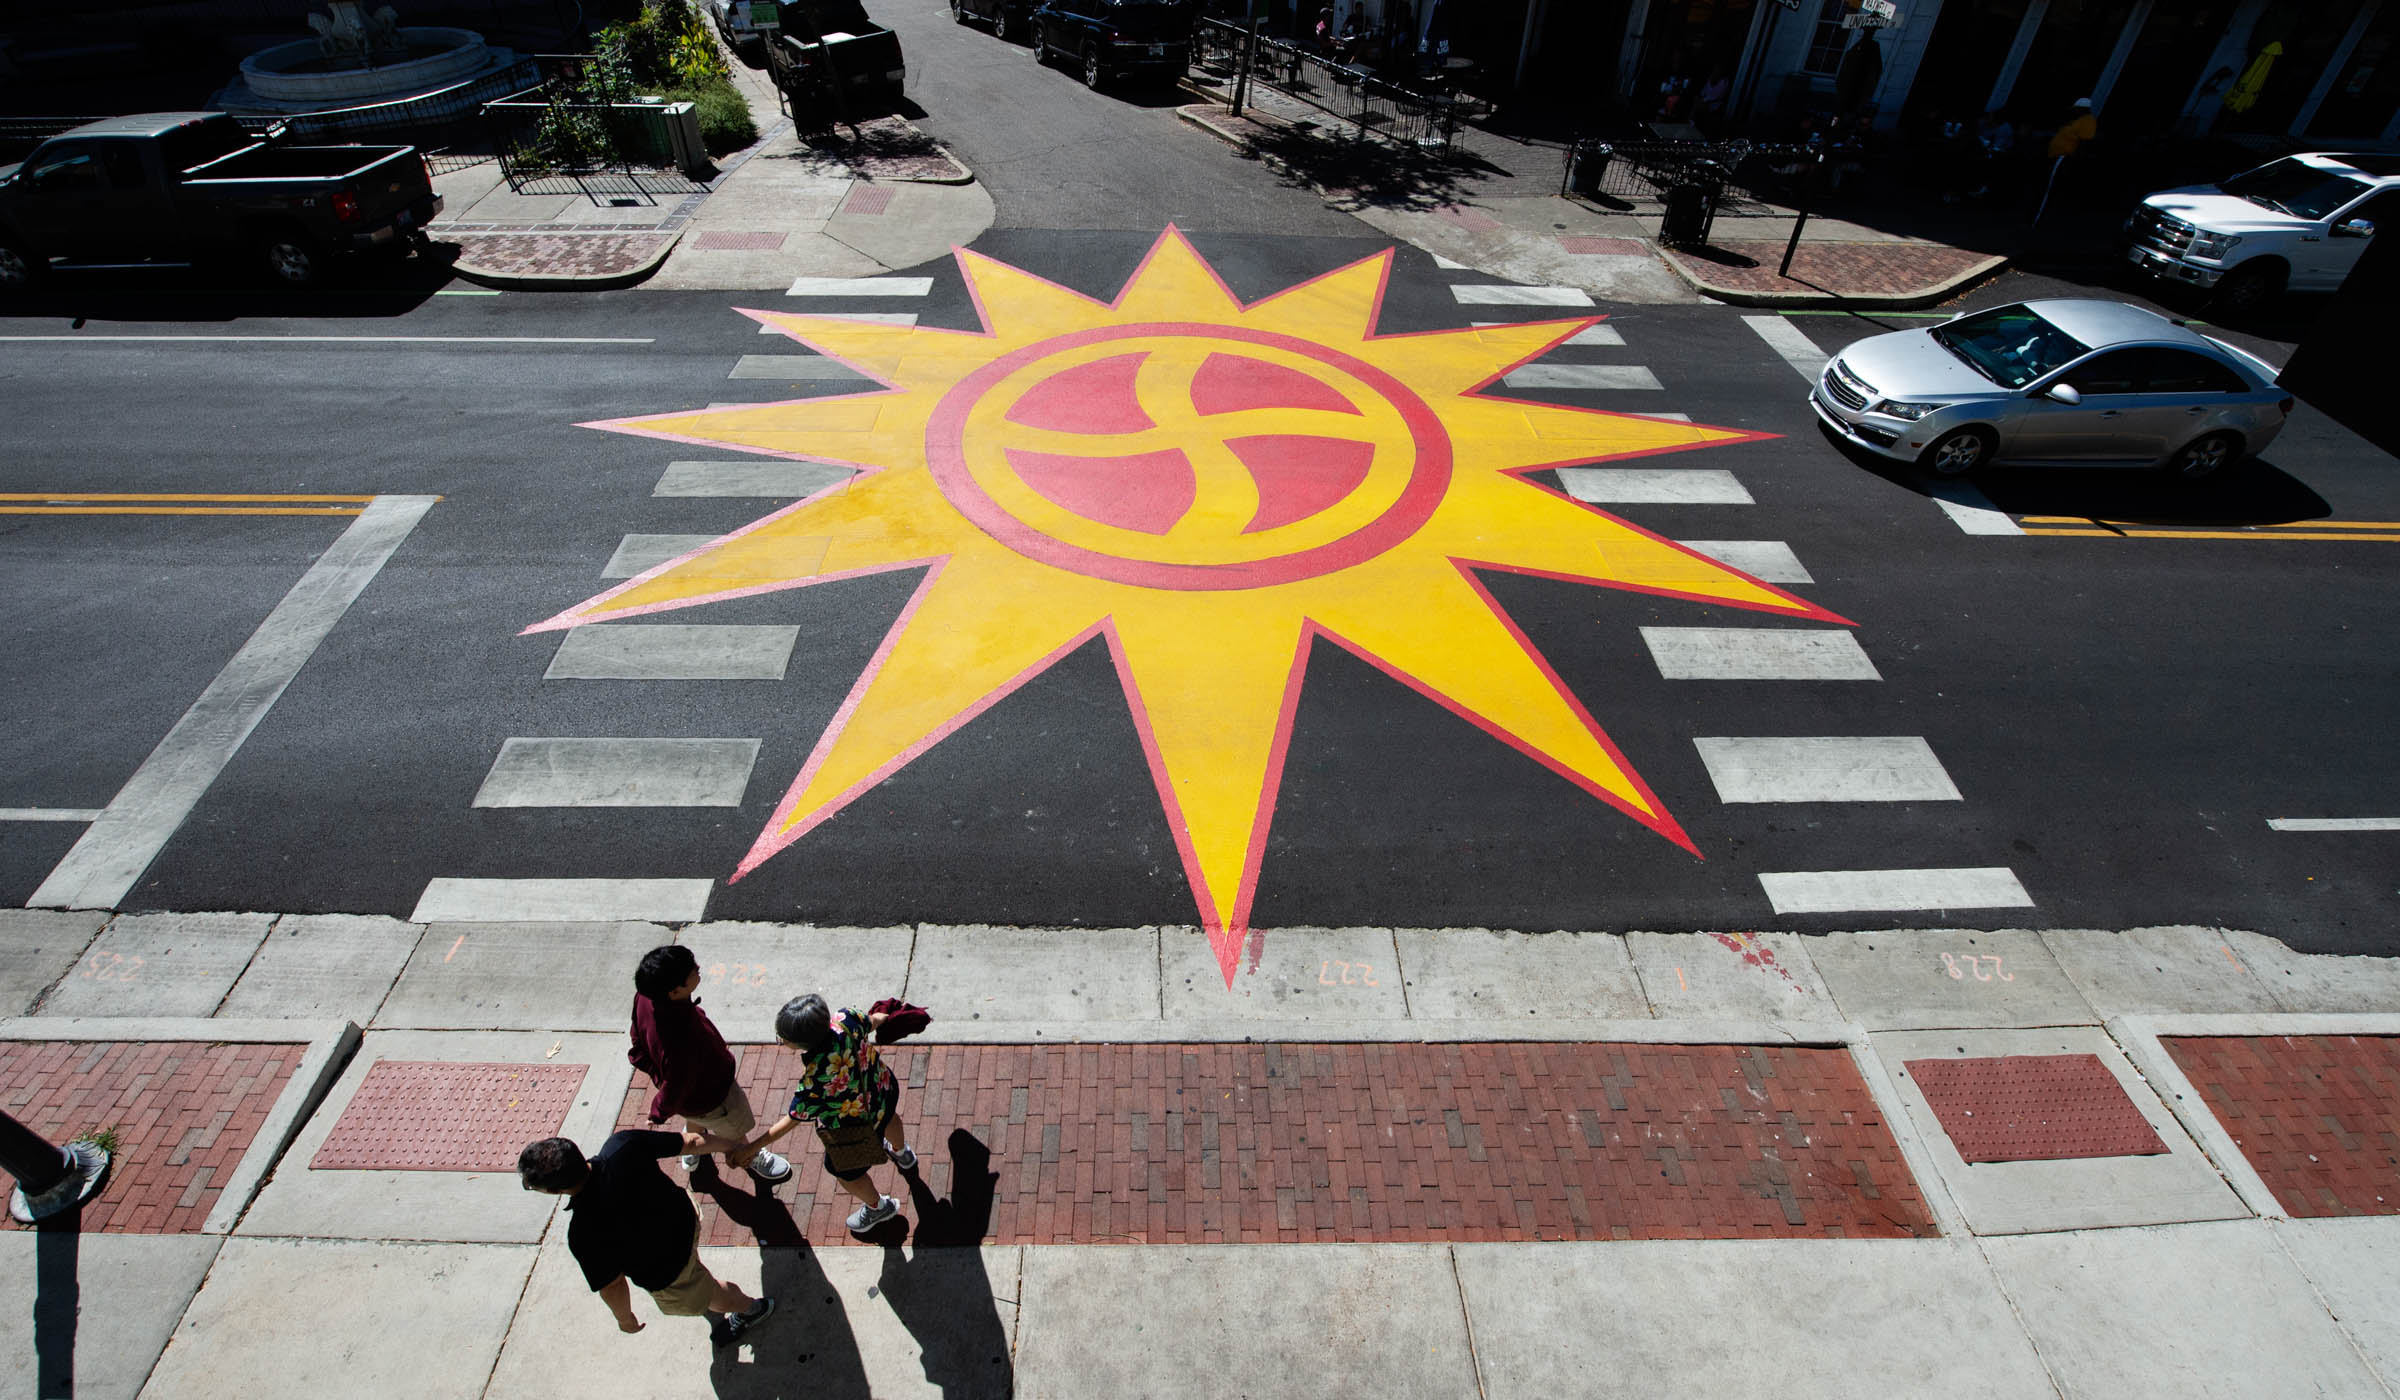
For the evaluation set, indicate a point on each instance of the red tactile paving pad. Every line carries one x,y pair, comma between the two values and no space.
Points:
2034,1108
1109,1144
448,1116
183,1113
2318,1116
725,240
1616,246
868,199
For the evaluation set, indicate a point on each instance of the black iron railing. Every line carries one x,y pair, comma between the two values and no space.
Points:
1417,116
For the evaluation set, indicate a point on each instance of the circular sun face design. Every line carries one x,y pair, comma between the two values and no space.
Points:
1212,488
1189,456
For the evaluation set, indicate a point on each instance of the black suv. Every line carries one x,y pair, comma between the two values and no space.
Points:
1112,38
1011,19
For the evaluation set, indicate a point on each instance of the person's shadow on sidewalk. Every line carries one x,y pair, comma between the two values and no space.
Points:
941,1291
807,1347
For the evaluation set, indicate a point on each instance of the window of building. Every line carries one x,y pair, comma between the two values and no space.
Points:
1829,40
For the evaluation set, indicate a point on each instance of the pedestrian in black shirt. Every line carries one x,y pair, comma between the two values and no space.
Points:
629,1223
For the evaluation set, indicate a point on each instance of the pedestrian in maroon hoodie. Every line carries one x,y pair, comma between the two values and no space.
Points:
679,1048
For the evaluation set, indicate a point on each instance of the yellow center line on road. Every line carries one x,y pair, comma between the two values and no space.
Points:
179,503
182,510
82,498
2320,537
2279,524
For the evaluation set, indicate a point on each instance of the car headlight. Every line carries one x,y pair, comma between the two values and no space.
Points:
1910,411
2213,245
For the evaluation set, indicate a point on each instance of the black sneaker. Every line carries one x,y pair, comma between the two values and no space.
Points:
725,1330
757,1313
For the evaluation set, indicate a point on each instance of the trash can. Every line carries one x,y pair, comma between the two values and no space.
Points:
1590,167
1691,201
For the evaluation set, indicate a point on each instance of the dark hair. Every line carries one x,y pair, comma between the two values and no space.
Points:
804,1022
553,1165
663,970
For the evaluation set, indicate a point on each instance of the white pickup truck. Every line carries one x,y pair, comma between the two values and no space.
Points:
2297,223
744,24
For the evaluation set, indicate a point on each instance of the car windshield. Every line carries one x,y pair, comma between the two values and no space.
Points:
2009,345
2294,187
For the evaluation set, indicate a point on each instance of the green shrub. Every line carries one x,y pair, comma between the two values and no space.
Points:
725,121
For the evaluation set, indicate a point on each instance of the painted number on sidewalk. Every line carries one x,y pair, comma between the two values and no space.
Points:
111,967
739,974
1975,962
1365,971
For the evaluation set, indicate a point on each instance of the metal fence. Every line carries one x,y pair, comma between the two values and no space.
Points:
550,144
1745,177
1411,116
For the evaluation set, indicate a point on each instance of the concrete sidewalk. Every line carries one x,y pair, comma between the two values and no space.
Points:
1466,1162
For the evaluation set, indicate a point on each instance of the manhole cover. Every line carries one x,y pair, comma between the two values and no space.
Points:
2033,1108
444,1116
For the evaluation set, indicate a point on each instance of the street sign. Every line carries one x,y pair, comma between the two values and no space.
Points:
1873,14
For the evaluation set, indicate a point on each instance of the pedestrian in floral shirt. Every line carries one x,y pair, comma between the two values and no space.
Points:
851,1096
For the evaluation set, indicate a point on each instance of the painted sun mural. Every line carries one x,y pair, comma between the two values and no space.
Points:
1211,487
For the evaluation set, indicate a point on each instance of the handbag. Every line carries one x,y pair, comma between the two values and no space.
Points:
853,1147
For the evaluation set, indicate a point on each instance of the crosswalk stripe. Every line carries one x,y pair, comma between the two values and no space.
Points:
1653,486
451,899
1889,891
1770,561
859,287
1758,654
50,814
1790,342
1447,265
639,554
1556,376
792,367
1970,509
673,652
1884,768
619,773
1502,294
881,318
756,477
1669,417
2334,823
1589,335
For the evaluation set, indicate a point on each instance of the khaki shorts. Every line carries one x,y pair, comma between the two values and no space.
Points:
693,1289
730,1119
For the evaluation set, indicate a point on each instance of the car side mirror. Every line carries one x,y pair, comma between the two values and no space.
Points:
2354,228
2063,393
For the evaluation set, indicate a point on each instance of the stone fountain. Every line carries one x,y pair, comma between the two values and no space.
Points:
359,59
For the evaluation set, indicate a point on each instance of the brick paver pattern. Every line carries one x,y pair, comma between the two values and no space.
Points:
556,254
2033,1108
447,1116
1845,269
184,1113
2318,1116
1322,1143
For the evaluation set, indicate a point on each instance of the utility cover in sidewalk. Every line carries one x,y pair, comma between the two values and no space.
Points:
2034,1108
445,1116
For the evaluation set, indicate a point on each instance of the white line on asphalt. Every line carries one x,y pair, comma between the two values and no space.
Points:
673,652
1970,509
1791,343
1668,417
2334,823
639,554
1556,376
756,477
619,773
347,339
1589,335
1501,294
448,899
101,867
1883,768
1758,654
1891,891
1770,561
860,287
1446,265
49,814
881,318
1699,486
792,367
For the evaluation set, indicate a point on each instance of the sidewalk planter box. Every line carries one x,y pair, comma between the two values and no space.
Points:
664,133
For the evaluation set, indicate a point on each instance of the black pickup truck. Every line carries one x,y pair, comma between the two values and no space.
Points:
188,186
833,61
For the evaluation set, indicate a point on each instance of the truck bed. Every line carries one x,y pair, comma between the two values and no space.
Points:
294,163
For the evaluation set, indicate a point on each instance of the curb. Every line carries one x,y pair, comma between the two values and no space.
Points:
1887,301
561,281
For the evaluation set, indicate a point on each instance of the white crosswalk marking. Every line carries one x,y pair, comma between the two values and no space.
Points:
1889,891
1788,341
1895,768
1758,654
859,287
619,773
450,899
758,476
1500,294
1557,376
882,318
1769,561
1641,486
1970,509
639,554
2334,823
1670,417
629,651
792,367
1447,265
1589,335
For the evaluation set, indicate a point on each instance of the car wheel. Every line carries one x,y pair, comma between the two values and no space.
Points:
20,271
2205,456
1040,43
1958,452
1001,28
2249,287
291,260
958,10
1092,76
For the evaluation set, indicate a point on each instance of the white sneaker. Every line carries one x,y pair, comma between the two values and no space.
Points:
904,1158
770,1168
693,1162
866,1218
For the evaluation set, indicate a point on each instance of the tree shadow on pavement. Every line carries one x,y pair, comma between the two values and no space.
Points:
941,1291
806,1348
1360,174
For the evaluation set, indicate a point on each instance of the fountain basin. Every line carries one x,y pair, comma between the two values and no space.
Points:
297,77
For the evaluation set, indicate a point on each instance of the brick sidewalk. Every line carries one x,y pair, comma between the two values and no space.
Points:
2318,1116
1324,1143
1881,269
184,1114
558,255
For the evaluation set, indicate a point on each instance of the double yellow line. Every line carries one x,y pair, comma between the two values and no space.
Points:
2319,530
174,503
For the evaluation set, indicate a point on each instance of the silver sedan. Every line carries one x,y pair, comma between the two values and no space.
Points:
2053,383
